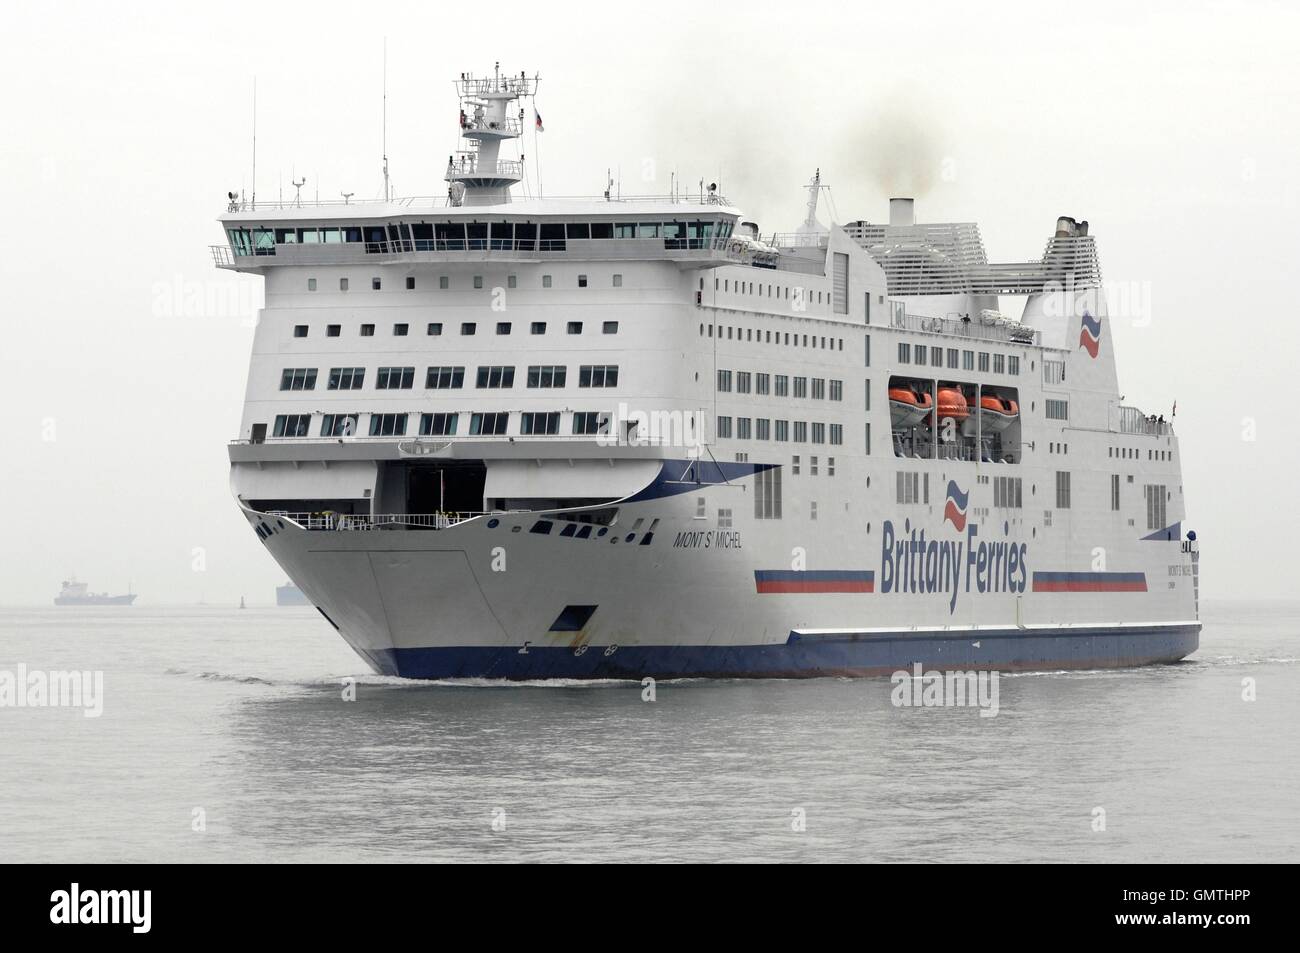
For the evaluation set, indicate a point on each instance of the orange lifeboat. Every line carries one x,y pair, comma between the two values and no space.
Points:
953,404
906,407
997,413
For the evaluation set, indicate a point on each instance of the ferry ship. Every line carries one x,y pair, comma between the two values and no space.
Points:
503,436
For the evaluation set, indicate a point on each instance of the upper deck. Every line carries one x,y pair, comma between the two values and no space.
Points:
672,228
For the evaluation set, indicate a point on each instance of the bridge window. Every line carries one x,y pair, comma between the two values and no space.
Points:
338,425
395,378
539,424
444,378
438,425
292,425
547,375
388,425
298,378
346,378
495,378
598,375
490,424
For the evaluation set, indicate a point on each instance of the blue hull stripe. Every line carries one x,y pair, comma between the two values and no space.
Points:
806,655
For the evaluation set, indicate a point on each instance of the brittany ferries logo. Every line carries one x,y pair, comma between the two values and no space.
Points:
912,563
954,508
1090,334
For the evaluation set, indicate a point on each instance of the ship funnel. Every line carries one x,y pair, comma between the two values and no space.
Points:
1065,227
900,212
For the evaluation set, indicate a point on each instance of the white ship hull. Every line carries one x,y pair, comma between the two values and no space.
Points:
495,597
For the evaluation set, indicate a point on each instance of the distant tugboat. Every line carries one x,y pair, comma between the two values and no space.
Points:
74,594
290,595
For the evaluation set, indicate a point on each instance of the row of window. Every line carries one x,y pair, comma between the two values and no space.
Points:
778,385
749,334
763,428
444,282
781,292
493,423
968,360
476,236
1008,493
467,328
1133,453
450,377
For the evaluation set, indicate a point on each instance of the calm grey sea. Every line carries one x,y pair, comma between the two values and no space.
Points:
240,715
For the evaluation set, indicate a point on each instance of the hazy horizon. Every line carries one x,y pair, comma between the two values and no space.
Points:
1172,128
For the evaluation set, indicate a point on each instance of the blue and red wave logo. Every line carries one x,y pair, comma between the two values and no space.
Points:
954,508
1090,334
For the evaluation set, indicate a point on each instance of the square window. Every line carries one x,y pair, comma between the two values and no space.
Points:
537,327
609,327
300,330
546,281
511,281
400,330
478,281
443,282
374,284
618,281
311,284
367,330
574,327
468,327
503,327
434,329
343,284
333,330
582,281
410,282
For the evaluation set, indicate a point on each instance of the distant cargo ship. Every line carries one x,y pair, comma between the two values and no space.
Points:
290,595
75,594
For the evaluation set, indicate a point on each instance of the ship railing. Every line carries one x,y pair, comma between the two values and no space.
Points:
244,204
360,522
508,168
975,329
1133,420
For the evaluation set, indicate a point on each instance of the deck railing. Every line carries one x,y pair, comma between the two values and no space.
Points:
347,522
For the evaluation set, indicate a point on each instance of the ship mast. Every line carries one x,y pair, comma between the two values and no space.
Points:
476,173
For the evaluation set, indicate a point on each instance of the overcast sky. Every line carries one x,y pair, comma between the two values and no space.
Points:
1172,127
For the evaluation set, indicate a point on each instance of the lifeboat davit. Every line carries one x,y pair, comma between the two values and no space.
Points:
906,407
952,404
997,413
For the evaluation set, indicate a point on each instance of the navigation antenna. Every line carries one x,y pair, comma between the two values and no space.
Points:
387,191
810,225
254,142
298,184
